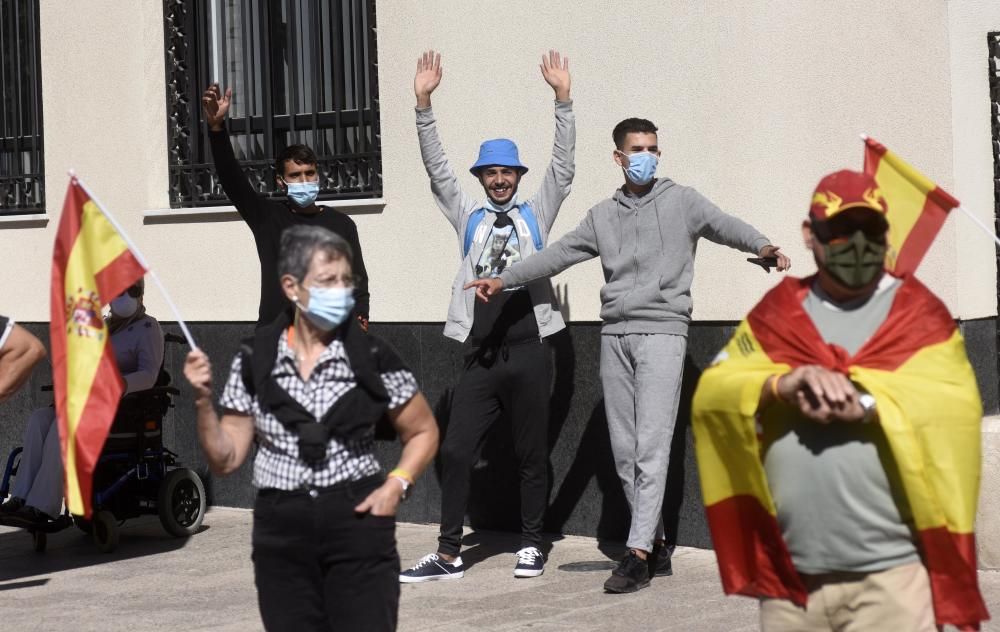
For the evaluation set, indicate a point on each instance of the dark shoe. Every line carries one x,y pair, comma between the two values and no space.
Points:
432,568
27,517
659,560
530,562
631,575
11,505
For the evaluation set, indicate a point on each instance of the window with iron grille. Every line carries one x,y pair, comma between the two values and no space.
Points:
22,173
301,71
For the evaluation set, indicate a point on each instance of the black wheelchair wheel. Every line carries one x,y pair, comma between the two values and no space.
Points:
39,540
105,531
181,502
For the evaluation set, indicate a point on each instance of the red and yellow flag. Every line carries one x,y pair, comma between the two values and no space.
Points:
929,408
917,207
91,264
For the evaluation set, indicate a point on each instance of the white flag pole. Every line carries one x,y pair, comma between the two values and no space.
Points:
980,224
986,229
139,257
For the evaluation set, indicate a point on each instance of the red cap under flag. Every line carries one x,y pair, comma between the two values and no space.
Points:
843,190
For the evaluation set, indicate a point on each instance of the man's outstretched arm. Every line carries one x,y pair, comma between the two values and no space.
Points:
715,225
574,247
558,178
215,107
19,353
444,183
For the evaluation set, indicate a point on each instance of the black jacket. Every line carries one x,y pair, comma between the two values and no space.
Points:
268,218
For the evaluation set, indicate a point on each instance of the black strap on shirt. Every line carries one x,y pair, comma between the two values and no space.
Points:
352,417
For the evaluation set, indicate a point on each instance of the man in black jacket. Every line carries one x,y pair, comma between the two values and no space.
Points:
296,173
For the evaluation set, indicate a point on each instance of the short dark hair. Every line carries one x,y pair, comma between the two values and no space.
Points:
301,154
631,126
137,289
299,244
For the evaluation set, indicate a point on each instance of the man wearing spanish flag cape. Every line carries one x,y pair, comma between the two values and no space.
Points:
837,437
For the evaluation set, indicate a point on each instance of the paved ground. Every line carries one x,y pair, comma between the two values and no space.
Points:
155,582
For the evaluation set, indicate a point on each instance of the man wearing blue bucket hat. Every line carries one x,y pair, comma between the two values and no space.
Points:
507,360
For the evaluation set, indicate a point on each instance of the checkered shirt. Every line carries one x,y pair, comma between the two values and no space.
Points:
277,464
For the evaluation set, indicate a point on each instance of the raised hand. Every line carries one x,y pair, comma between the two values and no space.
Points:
215,106
198,371
427,78
555,71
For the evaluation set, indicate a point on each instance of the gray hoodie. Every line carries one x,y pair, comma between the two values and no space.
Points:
647,246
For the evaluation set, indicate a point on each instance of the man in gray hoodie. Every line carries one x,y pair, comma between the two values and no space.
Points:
646,235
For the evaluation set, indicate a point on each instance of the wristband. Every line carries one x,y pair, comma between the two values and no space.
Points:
774,388
401,473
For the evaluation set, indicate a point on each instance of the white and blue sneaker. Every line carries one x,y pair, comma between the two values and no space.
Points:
530,562
432,568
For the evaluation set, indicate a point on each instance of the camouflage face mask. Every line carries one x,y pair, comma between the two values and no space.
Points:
854,261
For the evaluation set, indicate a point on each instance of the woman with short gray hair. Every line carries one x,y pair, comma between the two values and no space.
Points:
309,391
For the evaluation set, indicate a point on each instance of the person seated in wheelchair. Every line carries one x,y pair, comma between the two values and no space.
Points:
137,340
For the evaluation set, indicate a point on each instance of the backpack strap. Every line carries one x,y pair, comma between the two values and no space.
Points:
528,215
470,230
246,366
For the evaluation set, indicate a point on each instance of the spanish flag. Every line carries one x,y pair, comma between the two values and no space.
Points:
917,207
91,264
929,409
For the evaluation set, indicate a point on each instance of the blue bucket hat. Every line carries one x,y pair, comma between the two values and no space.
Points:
498,152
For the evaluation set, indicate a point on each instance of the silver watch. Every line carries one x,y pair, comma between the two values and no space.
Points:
867,401
407,487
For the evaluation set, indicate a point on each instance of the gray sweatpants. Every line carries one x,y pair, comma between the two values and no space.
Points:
641,375
39,479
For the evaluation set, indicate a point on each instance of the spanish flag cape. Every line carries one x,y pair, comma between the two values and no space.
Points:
928,406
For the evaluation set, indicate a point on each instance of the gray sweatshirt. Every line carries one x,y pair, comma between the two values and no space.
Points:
647,246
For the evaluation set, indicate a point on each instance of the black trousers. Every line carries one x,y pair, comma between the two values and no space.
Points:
320,566
515,379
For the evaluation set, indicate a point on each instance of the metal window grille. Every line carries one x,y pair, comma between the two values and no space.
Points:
993,42
302,71
22,173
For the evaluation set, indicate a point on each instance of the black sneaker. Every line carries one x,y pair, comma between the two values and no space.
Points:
631,575
11,505
432,568
27,517
659,560
530,562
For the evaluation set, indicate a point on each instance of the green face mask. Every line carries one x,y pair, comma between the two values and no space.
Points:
855,262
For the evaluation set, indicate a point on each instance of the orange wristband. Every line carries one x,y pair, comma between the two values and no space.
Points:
774,388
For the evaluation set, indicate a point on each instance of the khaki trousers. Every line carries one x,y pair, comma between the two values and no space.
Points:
896,599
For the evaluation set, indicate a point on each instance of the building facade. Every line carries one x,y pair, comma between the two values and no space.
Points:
755,102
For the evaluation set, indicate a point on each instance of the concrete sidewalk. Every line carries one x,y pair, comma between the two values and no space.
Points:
206,583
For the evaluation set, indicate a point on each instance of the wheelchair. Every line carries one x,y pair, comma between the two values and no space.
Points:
135,475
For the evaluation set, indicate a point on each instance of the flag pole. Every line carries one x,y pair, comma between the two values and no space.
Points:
986,229
138,255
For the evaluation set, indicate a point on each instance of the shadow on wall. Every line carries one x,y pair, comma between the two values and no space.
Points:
585,496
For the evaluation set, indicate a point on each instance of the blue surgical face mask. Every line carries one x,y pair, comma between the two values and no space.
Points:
641,167
328,306
124,306
302,193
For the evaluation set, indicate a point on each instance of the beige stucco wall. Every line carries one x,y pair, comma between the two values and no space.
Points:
755,101
969,21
